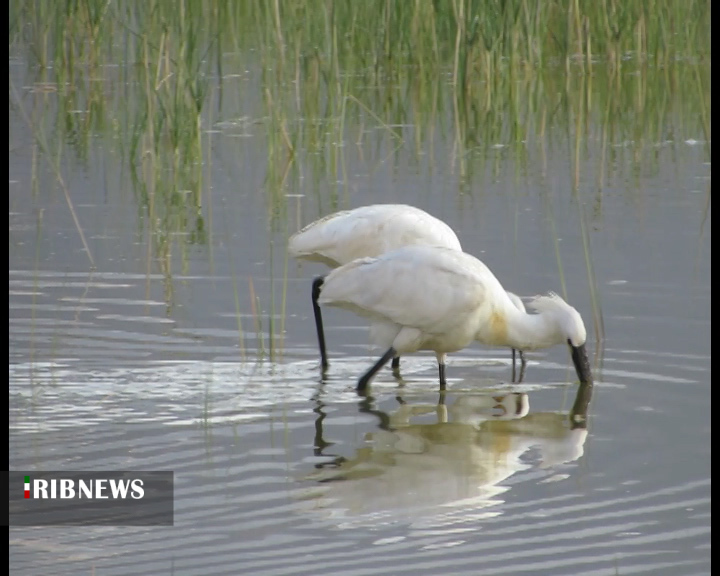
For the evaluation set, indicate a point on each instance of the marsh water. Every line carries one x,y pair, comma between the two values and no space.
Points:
195,352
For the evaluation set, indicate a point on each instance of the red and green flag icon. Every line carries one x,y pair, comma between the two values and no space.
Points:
27,486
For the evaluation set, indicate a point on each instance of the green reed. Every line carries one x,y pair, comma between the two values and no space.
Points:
487,70
383,78
495,72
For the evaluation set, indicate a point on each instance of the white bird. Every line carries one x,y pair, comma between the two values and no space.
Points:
440,299
370,231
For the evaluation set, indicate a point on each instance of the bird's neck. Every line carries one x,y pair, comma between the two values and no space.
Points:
531,331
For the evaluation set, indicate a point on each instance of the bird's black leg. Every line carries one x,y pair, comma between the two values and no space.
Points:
441,369
523,364
396,369
365,378
513,372
316,286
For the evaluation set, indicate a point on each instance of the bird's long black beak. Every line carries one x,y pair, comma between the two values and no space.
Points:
582,363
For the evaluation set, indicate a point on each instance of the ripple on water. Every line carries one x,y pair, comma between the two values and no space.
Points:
281,474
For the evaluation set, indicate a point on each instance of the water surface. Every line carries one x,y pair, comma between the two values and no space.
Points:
139,364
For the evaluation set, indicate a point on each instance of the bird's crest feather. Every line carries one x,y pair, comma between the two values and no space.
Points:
568,318
549,302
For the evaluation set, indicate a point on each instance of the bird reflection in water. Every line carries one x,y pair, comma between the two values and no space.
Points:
458,461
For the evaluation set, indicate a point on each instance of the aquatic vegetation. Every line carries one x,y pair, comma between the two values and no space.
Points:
164,87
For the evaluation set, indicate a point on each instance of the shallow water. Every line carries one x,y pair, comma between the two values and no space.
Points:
278,471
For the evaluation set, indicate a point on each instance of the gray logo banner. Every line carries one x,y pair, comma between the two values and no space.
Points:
113,498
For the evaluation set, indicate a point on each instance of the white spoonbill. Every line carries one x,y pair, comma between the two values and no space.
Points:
440,299
370,231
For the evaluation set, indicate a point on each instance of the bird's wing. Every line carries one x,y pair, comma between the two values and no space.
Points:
343,236
317,237
431,296
370,231
407,225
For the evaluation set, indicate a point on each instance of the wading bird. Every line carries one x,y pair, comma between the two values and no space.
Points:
370,231
440,299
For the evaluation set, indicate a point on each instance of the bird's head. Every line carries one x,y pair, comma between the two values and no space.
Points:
569,327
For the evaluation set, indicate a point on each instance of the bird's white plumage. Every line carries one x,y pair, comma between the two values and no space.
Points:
369,231
435,298
428,291
567,318
515,299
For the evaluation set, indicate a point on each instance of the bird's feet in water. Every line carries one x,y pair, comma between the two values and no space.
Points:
396,368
